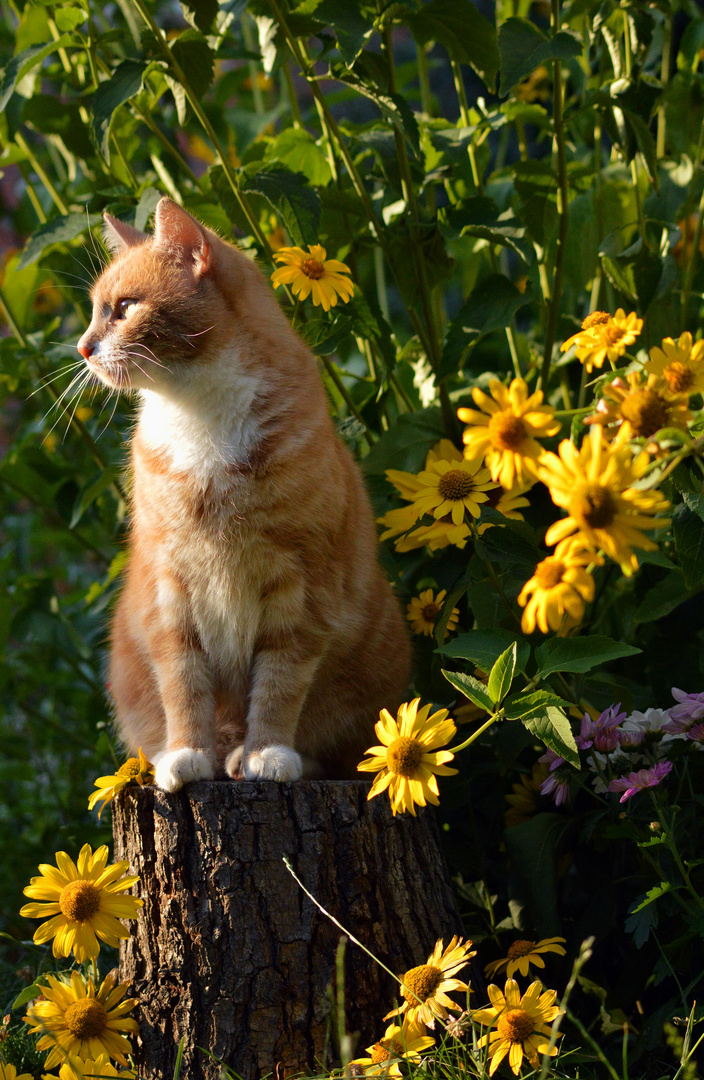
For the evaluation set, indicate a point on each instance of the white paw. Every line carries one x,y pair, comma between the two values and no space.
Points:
233,763
273,763
178,767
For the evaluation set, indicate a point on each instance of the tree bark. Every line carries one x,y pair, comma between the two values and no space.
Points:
230,955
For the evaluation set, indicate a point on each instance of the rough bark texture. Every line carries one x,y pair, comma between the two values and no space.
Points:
230,954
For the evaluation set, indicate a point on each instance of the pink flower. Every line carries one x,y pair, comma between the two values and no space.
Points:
636,781
600,733
696,733
558,786
552,759
687,713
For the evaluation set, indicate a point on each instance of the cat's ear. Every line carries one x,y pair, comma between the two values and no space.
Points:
118,235
177,231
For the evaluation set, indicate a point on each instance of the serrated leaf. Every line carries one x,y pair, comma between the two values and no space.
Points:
179,97
56,231
352,29
123,84
196,59
68,18
290,195
483,647
524,706
406,444
654,893
468,37
509,547
501,674
22,64
480,217
579,654
471,688
297,150
324,337
491,306
523,48
394,107
553,728
201,14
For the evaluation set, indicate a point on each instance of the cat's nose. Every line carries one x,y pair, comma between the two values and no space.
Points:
84,350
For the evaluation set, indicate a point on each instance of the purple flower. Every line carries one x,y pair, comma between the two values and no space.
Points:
600,733
636,781
696,733
558,786
687,713
552,759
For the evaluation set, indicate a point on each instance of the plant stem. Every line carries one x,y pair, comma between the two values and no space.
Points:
480,731
344,393
691,261
24,145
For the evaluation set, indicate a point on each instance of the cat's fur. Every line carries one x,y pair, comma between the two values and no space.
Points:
255,631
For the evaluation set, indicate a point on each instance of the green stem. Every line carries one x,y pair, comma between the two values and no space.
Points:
664,79
691,261
292,97
480,731
342,390
426,100
31,157
668,831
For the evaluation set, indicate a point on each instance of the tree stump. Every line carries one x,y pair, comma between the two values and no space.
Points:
230,955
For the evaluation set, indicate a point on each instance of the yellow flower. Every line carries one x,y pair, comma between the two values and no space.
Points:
313,274
604,337
451,488
403,1043
135,770
75,1069
526,795
423,610
75,1021
400,520
438,535
640,407
425,988
443,451
595,486
82,903
521,1024
507,503
506,431
9,1072
555,596
680,364
521,954
409,759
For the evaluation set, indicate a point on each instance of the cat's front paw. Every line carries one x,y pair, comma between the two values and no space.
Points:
233,763
273,763
178,767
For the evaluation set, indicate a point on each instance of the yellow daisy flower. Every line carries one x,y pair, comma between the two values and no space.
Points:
400,520
313,275
604,337
506,431
423,610
521,1024
404,1043
555,596
82,903
521,954
453,487
526,795
443,451
640,407
9,1072
74,1021
596,486
135,770
679,363
75,1069
440,534
409,760
508,503
425,988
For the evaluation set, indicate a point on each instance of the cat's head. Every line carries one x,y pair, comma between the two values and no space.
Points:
159,309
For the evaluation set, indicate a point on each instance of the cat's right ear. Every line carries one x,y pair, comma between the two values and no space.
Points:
118,235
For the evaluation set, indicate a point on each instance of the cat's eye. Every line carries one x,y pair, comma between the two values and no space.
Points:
124,308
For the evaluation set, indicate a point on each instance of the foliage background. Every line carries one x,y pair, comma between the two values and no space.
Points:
482,216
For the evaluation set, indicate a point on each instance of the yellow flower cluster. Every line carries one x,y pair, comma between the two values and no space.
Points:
134,771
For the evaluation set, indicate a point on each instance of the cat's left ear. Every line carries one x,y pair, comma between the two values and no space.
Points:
176,231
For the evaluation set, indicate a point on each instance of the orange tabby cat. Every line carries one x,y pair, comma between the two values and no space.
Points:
255,631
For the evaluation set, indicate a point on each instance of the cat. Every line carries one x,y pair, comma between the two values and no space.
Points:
254,632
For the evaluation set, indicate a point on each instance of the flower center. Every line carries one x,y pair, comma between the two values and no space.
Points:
86,1019
404,756
516,1025
507,431
313,269
455,485
595,505
429,614
613,334
130,768
423,981
678,377
79,900
595,319
383,1050
645,411
549,574
520,948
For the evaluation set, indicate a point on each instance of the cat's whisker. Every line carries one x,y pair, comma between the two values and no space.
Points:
46,383
82,379
152,355
57,403
77,398
65,273
199,332
140,368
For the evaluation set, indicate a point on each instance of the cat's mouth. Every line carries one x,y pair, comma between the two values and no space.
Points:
111,372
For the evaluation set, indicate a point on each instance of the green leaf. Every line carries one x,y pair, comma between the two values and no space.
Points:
394,107
22,64
471,688
297,150
196,59
654,893
453,597
56,231
688,533
507,546
201,14
145,208
553,728
68,18
480,217
501,675
483,648
351,27
468,37
532,850
324,337
523,48
28,994
290,195
405,445
491,306
579,654
634,270
663,598
99,587
124,83
92,492
526,706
